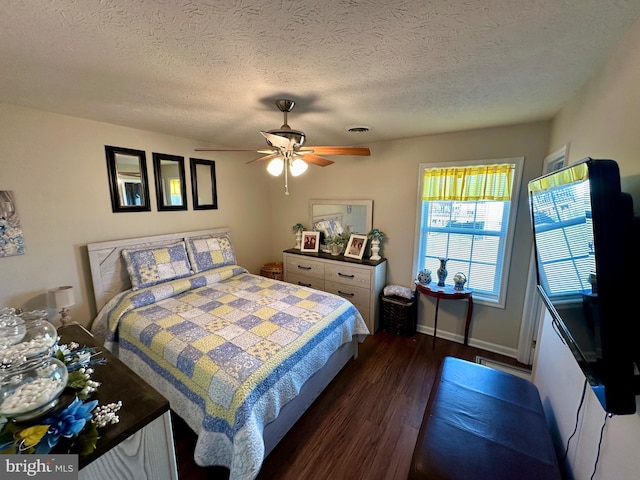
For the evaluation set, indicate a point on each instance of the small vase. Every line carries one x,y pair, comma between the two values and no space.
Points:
442,272
298,240
336,249
424,276
375,249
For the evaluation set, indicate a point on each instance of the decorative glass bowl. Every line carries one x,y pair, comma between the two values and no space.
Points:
32,388
12,328
38,337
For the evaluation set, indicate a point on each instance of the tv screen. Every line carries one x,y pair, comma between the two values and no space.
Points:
583,230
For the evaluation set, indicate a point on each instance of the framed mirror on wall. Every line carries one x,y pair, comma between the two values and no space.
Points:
128,182
171,191
355,216
203,184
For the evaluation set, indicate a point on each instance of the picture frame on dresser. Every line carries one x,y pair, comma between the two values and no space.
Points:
356,246
310,242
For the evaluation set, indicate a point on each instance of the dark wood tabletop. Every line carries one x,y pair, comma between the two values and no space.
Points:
141,404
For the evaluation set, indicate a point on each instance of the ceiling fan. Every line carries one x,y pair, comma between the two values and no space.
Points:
286,149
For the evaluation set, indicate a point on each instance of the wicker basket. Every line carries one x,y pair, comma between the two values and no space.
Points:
399,314
272,270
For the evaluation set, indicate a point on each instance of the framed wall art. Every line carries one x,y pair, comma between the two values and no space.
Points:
11,241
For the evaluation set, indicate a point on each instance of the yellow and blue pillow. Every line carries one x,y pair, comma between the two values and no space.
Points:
150,266
211,251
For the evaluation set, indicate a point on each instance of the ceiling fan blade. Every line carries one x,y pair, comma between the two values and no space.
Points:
262,159
316,160
223,150
326,150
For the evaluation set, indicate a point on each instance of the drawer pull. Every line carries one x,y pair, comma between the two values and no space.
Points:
302,267
304,284
345,294
344,275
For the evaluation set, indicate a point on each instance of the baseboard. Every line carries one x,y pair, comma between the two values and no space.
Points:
454,337
520,372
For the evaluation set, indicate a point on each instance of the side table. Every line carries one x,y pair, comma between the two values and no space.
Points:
141,444
447,293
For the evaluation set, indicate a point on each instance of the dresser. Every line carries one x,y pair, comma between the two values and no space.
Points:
359,281
139,446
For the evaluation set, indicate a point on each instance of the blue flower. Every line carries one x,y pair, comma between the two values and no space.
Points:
66,423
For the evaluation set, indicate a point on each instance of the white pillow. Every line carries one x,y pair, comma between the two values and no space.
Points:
398,291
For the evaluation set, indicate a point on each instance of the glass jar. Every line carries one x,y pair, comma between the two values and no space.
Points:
41,335
32,388
12,328
38,337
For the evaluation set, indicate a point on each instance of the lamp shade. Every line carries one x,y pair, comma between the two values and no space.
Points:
63,296
275,166
298,167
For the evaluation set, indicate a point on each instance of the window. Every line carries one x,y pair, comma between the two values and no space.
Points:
466,213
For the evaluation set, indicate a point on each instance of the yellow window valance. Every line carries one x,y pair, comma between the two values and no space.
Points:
577,173
478,182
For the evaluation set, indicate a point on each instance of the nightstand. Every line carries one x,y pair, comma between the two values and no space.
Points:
141,444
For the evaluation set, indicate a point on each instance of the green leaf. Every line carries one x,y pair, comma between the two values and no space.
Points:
87,439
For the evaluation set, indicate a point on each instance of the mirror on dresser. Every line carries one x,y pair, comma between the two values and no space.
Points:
355,216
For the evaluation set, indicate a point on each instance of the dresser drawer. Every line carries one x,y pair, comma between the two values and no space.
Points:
350,275
358,296
300,265
305,281
360,282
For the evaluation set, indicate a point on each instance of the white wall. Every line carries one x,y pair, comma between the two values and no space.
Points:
56,167
601,122
390,178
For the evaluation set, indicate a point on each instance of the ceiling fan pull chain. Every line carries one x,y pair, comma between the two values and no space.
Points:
286,174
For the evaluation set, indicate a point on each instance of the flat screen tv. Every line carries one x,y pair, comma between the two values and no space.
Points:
584,234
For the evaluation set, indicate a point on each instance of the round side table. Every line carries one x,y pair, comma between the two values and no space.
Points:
447,293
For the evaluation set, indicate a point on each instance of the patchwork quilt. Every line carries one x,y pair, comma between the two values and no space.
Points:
228,349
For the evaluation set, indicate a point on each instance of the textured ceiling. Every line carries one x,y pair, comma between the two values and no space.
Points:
210,70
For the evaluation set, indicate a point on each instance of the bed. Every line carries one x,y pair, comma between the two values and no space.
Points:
240,357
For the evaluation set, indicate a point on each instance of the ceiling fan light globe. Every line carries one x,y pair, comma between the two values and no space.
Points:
275,167
298,167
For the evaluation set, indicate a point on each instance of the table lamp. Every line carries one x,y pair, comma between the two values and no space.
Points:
63,298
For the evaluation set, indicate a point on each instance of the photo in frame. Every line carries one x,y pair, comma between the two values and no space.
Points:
310,242
355,246
11,241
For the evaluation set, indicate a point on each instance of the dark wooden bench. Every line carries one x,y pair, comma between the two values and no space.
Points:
482,423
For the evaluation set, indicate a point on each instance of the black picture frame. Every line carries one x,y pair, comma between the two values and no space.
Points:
169,168
203,184
128,180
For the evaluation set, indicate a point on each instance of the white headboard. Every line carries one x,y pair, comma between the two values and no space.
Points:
108,270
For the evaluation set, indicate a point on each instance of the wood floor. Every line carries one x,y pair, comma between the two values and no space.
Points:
364,425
